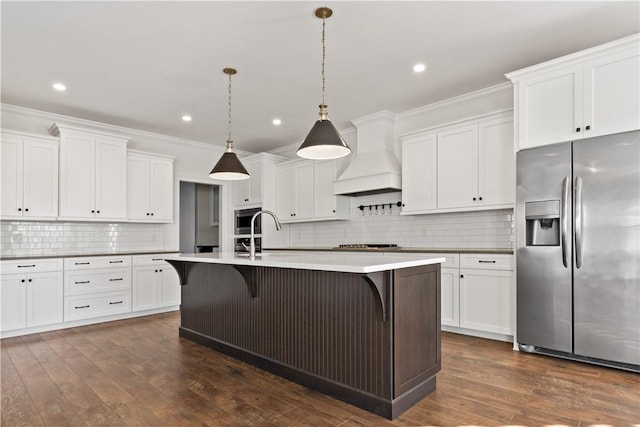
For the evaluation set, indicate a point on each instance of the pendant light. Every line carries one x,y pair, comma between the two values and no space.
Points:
229,166
323,140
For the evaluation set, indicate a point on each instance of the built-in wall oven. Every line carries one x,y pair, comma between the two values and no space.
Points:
243,221
239,247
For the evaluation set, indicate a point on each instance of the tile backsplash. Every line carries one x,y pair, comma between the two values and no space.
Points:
492,229
28,238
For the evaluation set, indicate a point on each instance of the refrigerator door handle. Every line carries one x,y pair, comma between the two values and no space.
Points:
564,220
578,221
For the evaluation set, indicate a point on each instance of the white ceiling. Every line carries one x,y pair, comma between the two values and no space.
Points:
145,64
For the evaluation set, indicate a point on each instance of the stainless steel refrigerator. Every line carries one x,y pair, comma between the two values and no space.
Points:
578,250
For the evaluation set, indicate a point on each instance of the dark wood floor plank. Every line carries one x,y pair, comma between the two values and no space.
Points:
139,372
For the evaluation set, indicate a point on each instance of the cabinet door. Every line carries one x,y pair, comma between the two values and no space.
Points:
496,163
324,201
249,191
486,300
612,94
450,297
550,108
146,288
111,178
419,174
170,290
138,190
285,193
457,167
304,190
77,176
40,179
13,301
161,202
11,175
45,299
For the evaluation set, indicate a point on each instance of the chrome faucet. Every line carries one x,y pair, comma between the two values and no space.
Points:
252,242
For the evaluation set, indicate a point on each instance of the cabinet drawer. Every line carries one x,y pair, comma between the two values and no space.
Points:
85,307
452,260
486,261
31,266
151,259
85,263
81,282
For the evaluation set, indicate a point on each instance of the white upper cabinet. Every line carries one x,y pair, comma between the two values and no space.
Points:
458,167
327,205
29,177
149,187
468,166
589,93
419,173
93,175
294,191
249,191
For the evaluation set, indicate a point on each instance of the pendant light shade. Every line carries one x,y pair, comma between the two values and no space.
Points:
323,140
229,167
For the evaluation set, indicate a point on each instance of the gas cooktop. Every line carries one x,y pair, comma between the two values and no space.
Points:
367,246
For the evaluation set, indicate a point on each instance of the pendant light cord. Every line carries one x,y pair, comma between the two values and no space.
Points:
323,58
229,124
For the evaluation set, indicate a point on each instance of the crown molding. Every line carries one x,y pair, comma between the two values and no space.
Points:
88,125
482,93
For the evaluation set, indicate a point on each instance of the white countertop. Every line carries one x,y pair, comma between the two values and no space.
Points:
339,261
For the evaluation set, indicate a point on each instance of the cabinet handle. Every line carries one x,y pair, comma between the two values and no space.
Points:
160,271
462,276
22,280
116,280
587,128
97,211
155,271
151,213
82,263
487,262
82,306
334,211
474,199
26,210
147,213
577,129
157,259
480,198
30,280
19,209
93,211
25,266
116,302
116,262
81,283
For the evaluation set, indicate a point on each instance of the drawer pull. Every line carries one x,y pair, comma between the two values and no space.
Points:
82,306
115,280
116,302
157,259
82,263
82,283
116,262
25,266
488,262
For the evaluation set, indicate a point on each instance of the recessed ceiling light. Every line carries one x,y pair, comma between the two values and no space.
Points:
59,87
186,118
418,68
277,122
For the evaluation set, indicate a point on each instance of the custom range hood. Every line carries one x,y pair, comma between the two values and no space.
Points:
375,168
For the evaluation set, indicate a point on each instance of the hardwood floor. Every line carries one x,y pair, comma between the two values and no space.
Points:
139,372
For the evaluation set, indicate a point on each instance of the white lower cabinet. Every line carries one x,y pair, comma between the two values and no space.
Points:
486,293
31,293
476,294
155,283
96,286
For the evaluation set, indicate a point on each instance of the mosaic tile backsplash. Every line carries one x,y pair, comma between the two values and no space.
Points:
492,229
28,238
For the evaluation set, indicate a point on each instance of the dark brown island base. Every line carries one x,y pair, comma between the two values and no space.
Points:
364,329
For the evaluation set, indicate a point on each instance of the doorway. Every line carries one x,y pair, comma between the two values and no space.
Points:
199,217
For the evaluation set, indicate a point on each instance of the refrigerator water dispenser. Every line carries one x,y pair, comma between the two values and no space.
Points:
542,223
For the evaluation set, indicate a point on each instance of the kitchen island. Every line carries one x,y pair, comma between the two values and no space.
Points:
363,328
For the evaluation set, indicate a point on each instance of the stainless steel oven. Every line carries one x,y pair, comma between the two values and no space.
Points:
243,221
